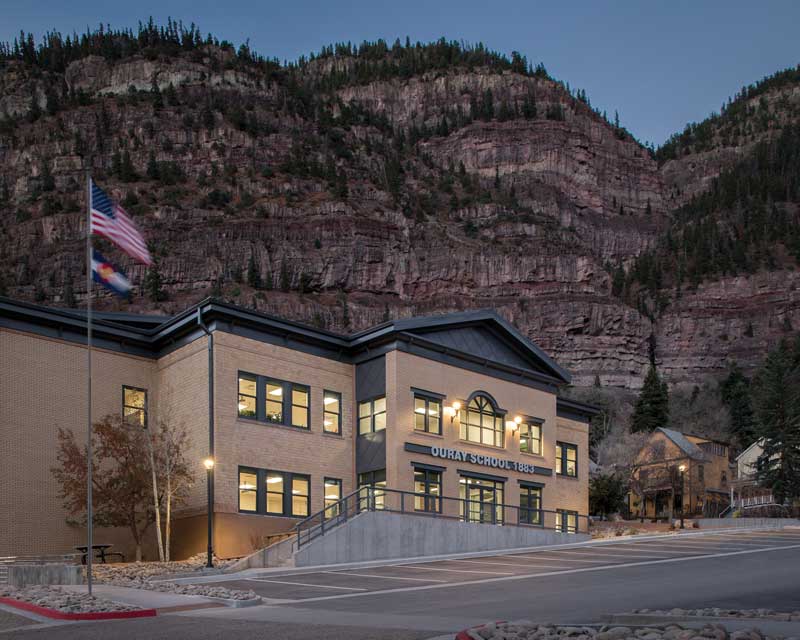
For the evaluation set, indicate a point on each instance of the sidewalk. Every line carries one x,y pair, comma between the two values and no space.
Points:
143,598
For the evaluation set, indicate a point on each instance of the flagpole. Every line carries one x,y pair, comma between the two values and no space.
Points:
89,550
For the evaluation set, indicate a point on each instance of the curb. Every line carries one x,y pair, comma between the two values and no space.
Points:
60,615
236,604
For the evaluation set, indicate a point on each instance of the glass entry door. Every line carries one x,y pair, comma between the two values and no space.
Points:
481,500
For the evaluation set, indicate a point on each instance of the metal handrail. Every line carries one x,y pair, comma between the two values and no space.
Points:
370,498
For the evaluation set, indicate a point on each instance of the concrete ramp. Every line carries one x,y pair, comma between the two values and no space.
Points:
380,535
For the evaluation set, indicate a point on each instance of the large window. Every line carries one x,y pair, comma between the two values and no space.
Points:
332,492
376,480
332,412
567,521
248,490
530,438
480,422
134,406
481,500
567,459
277,493
530,505
247,396
427,414
274,401
372,415
427,490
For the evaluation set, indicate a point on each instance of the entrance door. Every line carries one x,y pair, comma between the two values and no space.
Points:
482,500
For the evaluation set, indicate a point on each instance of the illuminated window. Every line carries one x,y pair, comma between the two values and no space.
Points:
247,396
376,480
427,414
530,505
300,404
332,412
372,415
566,521
567,459
300,495
134,406
275,492
530,438
427,490
481,423
248,490
332,494
274,400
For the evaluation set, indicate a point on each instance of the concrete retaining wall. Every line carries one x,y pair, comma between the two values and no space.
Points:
377,535
744,523
279,554
21,575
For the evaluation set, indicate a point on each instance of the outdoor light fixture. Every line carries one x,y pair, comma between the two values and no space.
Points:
209,463
682,469
517,419
456,405
510,424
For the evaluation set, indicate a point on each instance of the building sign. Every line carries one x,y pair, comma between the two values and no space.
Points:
479,459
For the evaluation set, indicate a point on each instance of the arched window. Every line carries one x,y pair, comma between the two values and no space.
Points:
481,422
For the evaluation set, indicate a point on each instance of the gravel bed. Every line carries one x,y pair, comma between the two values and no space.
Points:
65,601
146,570
207,590
715,612
525,630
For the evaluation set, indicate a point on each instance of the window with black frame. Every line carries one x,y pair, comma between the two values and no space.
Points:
427,490
481,500
566,521
530,438
530,505
332,494
567,459
332,412
371,415
134,406
480,422
274,493
248,490
248,396
273,401
427,414
377,481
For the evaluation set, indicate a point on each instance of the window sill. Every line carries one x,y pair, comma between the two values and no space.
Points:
564,476
261,423
480,444
428,434
330,434
540,456
269,515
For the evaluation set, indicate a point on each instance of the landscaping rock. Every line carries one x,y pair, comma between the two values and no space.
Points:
52,597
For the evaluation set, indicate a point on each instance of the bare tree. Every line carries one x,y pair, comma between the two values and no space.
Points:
174,470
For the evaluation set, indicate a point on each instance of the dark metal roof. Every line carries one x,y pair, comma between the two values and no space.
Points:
476,336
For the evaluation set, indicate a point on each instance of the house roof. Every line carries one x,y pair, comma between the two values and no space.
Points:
757,443
683,443
478,339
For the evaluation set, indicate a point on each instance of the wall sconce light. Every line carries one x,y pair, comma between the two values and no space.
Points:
452,410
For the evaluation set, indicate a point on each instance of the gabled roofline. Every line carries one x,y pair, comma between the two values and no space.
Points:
154,334
759,442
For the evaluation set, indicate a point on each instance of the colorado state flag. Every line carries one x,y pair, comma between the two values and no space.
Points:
109,276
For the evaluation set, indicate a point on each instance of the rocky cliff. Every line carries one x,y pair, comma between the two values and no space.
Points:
340,191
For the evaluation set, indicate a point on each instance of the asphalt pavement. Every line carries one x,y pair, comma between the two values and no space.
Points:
403,600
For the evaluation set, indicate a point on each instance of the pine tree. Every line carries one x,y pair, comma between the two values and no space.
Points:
776,399
253,273
735,391
652,406
285,280
69,295
153,285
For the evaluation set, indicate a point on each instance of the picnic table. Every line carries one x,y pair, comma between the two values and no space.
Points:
98,550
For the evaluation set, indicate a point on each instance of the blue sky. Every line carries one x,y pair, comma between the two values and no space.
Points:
660,64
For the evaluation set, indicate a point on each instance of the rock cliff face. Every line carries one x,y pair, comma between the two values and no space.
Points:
342,205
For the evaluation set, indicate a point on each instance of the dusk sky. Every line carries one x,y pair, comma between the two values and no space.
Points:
660,65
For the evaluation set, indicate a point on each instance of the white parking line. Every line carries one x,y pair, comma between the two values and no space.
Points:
653,553
306,584
369,575
510,578
417,567
508,564
632,554
560,559
665,548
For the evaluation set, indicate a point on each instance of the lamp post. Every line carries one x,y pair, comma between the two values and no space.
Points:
209,465
682,469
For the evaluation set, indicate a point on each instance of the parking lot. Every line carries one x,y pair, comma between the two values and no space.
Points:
336,583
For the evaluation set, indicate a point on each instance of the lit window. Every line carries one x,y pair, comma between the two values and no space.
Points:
274,406
332,412
332,495
566,521
371,415
274,490
300,406
247,396
300,495
427,490
376,480
481,423
530,505
530,438
134,406
248,490
567,459
427,414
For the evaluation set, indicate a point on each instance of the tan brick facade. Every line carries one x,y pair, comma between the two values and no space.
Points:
43,387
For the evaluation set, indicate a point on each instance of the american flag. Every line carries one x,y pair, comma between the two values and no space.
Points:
109,220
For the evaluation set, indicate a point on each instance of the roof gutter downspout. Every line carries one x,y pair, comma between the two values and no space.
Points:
210,549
